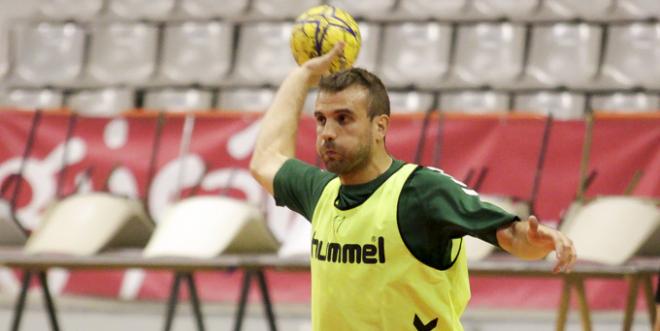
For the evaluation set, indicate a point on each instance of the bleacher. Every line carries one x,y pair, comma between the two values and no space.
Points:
555,56
103,58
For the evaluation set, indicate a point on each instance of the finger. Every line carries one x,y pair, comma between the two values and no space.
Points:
560,254
335,51
565,254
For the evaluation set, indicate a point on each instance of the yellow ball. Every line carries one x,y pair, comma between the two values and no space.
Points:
317,30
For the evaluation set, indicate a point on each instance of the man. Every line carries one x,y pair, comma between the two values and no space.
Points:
386,244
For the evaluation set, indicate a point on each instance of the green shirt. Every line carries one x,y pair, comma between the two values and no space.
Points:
433,207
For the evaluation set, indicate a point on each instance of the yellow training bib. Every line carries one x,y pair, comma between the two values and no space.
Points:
365,278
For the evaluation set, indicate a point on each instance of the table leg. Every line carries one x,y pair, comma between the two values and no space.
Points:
48,300
631,301
172,302
20,301
194,300
585,315
245,288
564,302
263,286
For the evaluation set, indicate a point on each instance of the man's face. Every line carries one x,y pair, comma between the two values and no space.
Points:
344,136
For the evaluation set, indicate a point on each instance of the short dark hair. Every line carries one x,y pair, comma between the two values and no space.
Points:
379,102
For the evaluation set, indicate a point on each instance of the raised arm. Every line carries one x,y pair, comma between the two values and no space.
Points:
277,139
531,241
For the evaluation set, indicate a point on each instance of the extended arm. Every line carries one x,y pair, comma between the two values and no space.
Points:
277,139
531,241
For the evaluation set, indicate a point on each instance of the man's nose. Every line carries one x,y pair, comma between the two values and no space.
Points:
328,132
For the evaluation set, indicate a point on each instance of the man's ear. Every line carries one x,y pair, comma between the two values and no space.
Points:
382,123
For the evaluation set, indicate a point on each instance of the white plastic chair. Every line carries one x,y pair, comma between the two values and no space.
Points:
86,224
564,55
178,100
123,53
213,8
29,99
588,10
141,9
207,226
632,57
365,8
613,229
4,51
369,49
410,101
474,102
282,8
245,99
263,54
197,52
415,54
71,9
489,54
640,8
562,105
622,102
105,102
513,9
442,9
48,53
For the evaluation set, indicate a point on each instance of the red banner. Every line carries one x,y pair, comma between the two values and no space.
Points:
220,146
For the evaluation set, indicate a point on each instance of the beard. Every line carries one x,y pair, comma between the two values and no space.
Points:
344,162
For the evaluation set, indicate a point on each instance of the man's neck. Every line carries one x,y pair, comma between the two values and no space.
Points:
376,166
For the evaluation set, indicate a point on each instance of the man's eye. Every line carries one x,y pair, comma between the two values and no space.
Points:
342,119
320,120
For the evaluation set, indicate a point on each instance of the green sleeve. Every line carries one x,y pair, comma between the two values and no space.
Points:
455,210
299,185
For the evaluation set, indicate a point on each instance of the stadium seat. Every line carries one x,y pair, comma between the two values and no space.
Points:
123,53
264,55
103,102
282,8
86,224
622,102
627,225
4,51
48,53
194,228
410,101
213,8
564,54
475,102
512,9
424,9
29,99
415,54
640,8
365,8
140,9
368,57
489,54
196,52
245,99
178,100
632,57
71,9
562,105
588,10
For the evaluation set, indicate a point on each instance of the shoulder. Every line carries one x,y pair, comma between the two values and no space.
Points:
435,178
